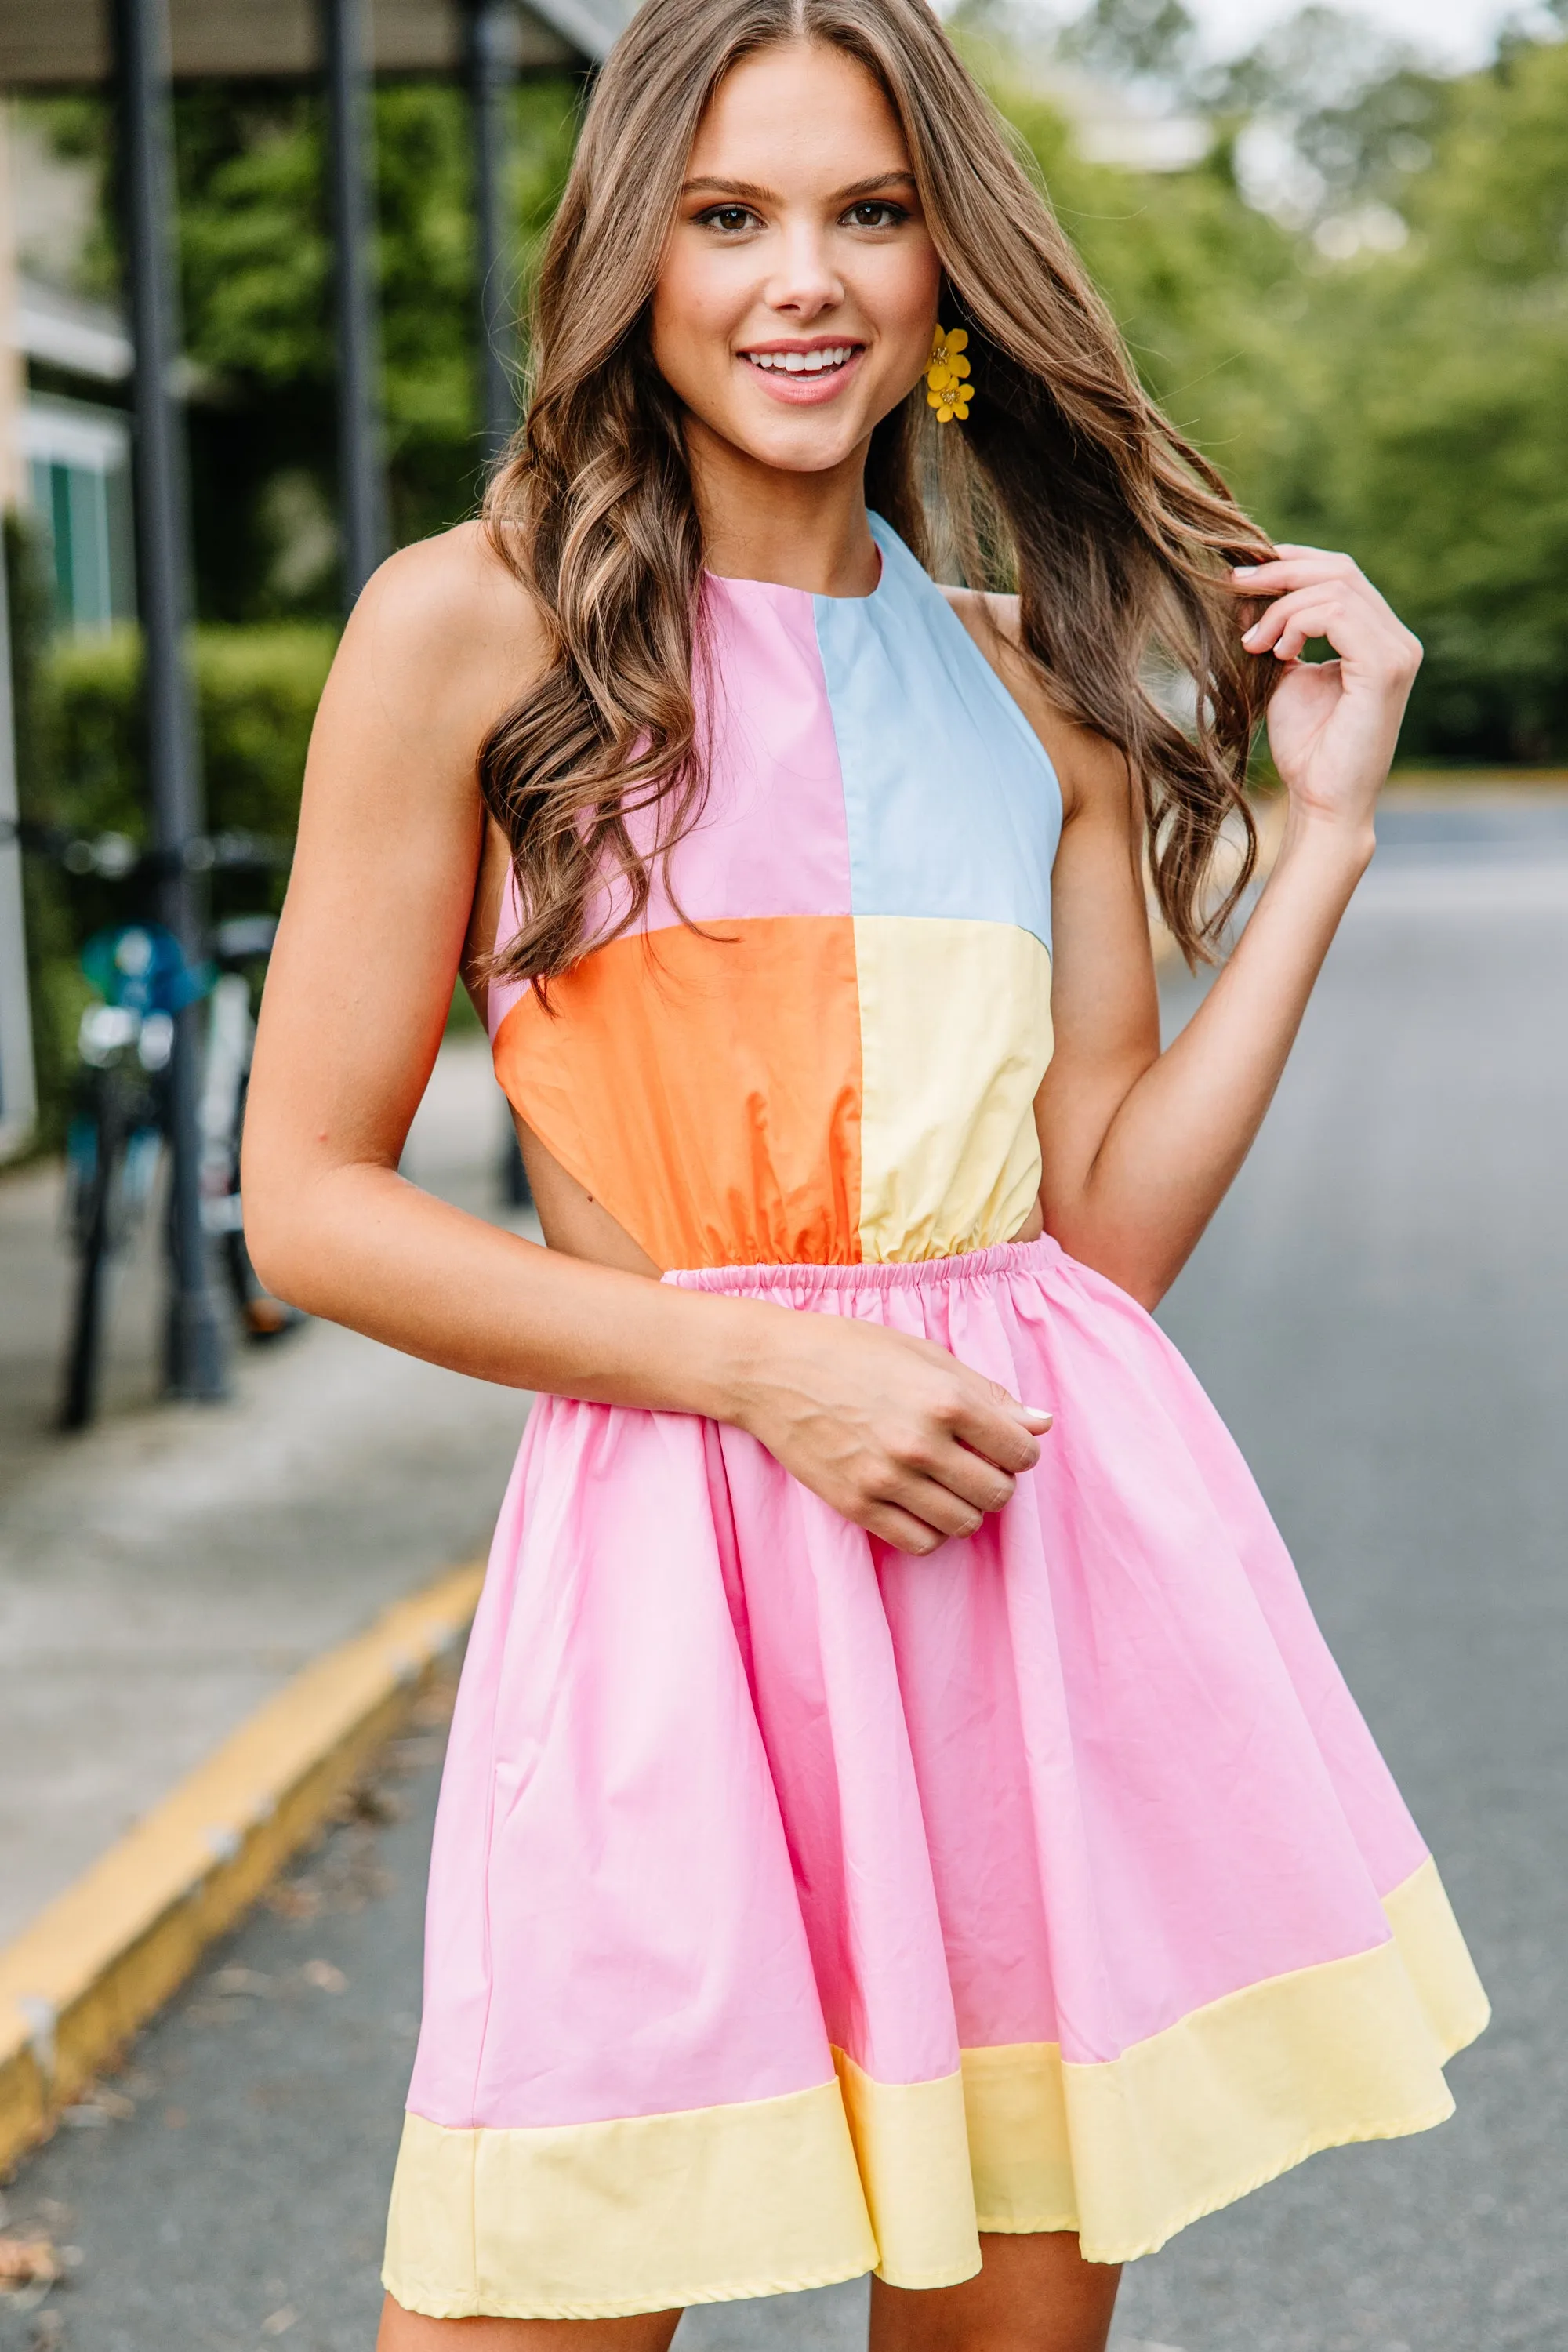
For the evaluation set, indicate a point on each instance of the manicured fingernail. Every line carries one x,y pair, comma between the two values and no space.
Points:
1247,634
1244,571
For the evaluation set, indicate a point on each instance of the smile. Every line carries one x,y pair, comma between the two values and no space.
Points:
814,363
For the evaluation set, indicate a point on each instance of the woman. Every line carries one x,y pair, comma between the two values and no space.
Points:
900,1814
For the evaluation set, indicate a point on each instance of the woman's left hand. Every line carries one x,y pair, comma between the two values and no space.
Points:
1333,725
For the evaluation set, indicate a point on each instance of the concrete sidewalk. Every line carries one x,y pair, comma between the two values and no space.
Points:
164,1573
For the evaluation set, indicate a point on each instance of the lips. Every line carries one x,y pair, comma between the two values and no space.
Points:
803,375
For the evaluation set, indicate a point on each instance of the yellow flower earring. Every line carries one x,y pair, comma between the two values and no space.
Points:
946,389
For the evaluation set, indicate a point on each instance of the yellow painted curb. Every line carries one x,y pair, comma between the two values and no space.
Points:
104,1954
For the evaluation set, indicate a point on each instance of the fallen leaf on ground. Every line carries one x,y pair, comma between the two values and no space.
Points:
294,1902
98,2105
227,1981
27,2262
325,1976
413,1755
278,2322
374,1804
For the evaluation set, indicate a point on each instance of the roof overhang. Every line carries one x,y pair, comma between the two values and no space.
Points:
63,44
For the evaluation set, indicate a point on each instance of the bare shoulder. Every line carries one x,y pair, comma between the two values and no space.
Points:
443,636
1092,772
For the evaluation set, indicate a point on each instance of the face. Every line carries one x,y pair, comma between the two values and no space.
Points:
797,296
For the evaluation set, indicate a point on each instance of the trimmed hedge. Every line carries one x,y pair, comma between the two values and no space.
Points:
257,690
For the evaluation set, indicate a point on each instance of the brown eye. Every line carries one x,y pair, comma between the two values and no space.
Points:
728,219
877,212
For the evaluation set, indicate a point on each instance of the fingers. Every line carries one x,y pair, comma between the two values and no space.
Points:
912,1445
975,1484
1294,567
901,1529
939,1485
938,1505
949,1480
1319,586
1350,613
921,1514
993,1423
1287,626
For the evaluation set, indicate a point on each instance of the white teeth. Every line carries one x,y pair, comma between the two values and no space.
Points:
803,363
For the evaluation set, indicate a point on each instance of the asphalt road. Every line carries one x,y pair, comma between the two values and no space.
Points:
1379,1313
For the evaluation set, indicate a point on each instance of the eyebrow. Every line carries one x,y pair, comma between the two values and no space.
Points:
755,195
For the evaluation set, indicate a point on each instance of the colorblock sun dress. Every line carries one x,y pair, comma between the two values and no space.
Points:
799,1907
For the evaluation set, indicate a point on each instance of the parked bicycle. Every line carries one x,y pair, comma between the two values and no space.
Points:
121,1121
113,1146
120,1126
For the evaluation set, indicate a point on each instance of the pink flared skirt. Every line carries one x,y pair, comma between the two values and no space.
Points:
799,1908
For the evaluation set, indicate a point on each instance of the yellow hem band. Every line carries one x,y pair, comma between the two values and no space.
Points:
598,2221
646,2213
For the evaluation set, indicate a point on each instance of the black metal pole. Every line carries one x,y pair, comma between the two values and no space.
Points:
350,172
491,52
492,60
196,1338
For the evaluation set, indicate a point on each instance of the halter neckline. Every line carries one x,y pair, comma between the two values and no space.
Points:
782,588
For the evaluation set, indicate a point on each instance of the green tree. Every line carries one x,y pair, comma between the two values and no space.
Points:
1409,405
1204,287
256,273
1430,431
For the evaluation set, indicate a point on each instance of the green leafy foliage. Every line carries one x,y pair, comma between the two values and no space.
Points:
1204,287
1428,423
1410,405
255,271
257,690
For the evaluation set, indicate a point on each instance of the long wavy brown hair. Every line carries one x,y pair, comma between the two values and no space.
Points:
1067,484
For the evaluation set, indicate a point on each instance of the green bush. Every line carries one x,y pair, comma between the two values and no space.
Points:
257,690
83,767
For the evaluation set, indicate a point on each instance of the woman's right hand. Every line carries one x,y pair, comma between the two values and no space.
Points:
892,1430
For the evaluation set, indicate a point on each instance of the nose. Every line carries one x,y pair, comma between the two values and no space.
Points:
802,283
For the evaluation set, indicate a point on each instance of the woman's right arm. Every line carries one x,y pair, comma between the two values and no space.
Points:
892,1432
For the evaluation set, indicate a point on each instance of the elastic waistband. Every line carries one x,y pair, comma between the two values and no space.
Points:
919,1273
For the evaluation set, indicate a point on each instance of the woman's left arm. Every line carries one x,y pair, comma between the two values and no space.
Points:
1140,1147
